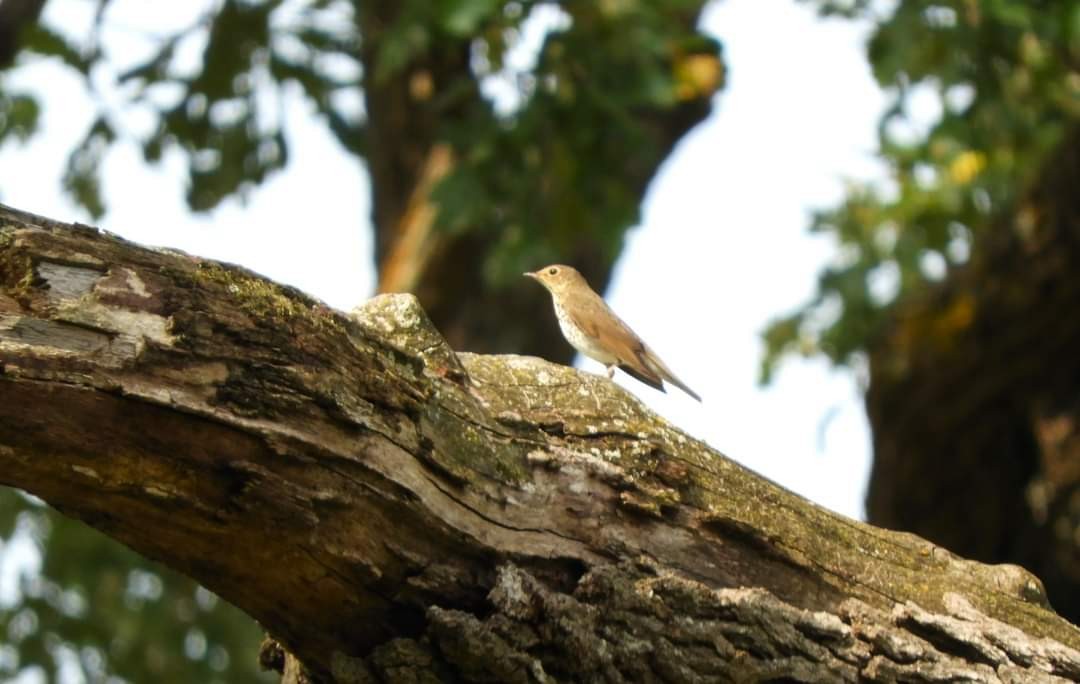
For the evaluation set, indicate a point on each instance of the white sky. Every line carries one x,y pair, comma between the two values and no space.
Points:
723,246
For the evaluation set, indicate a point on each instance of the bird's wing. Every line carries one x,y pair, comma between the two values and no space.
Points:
653,362
618,338
635,358
653,382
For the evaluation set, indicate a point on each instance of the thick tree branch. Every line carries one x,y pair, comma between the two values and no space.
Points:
386,507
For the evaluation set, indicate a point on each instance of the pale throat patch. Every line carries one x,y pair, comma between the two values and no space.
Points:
580,341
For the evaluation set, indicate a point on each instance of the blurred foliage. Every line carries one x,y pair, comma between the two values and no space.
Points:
533,173
537,166
18,116
1000,80
537,176
127,620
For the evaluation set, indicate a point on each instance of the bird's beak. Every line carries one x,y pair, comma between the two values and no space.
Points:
527,274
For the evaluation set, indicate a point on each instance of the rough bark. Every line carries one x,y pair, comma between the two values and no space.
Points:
392,511
973,395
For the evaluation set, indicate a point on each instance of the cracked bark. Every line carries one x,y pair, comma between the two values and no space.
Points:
392,511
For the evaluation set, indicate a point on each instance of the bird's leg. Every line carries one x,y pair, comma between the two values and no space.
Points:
611,371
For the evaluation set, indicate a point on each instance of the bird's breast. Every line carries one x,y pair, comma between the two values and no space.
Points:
578,339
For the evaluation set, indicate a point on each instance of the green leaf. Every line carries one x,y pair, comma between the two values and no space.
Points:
82,176
44,41
19,115
402,44
464,17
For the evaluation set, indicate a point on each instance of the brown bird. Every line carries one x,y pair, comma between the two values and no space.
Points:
592,328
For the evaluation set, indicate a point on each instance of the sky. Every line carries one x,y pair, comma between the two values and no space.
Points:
722,247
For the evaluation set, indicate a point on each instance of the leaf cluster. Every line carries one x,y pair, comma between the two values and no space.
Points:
568,161
562,155
226,114
1002,78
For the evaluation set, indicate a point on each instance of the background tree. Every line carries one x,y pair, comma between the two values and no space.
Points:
957,282
465,194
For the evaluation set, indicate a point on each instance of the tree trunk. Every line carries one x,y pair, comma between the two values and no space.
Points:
392,511
973,395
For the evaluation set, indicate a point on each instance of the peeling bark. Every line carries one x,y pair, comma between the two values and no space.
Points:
392,511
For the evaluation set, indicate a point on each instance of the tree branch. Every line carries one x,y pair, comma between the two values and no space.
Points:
383,505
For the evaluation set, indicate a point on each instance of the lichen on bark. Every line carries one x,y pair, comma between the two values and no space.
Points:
482,517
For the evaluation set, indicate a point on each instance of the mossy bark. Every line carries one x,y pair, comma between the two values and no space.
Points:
392,511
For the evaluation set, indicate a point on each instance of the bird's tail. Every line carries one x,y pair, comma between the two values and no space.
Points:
653,363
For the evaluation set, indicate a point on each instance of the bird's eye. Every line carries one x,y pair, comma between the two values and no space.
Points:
552,271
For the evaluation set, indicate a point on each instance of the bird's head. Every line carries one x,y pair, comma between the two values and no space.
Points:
557,278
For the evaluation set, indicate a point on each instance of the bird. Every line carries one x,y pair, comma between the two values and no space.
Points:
591,327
